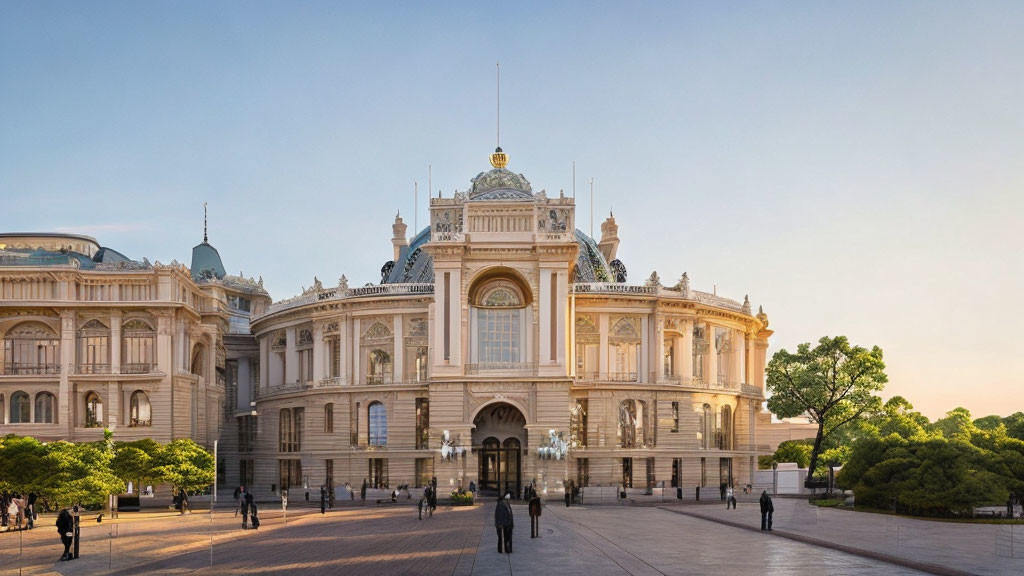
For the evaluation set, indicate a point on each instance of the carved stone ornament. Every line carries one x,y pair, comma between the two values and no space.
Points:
343,283
653,280
762,316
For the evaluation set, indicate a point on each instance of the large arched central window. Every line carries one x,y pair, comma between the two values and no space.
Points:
499,317
378,419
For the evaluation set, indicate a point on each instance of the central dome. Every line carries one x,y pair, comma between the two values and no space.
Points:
500,184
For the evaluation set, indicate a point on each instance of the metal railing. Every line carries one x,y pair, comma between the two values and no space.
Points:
612,288
343,293
92,369
608,377
515,368
25,368
137,368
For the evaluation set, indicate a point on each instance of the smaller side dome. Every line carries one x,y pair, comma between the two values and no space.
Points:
500,184
206,263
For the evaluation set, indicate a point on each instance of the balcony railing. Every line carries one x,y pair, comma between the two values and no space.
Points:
752,390
343,293
511,368
609,377
92,369
24,368
379,379
696,382
137,368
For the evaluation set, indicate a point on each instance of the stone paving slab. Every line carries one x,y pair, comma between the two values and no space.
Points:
984,549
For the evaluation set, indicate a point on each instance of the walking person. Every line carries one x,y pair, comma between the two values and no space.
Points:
535,507
351,494
246,504
65,527
323,499
13,518
730,498
503,523
30,510
766,510
362,491
238,499
184,502
422,498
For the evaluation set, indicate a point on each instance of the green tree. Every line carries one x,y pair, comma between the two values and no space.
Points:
77,473
834,383
957,425
134,461
185,465
798,451
21,463
896,417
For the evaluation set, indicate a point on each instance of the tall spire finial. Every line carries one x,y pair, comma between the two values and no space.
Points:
499,159
204,223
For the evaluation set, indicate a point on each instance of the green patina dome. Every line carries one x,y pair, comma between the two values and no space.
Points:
500,184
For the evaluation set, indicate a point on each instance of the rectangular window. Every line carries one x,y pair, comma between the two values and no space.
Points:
582,472
329,472
677,472
329,417
627,473
289,473
297,421
675,416
378,474
335,356
424,471
651,481
422,423
554,316
246,472
498,335
354,429
703,471
246,433
578,423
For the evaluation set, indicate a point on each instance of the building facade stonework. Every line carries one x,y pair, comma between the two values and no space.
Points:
503,347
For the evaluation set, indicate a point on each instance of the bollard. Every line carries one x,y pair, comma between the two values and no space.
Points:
698,493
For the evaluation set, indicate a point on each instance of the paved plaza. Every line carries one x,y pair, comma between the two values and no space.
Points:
592,541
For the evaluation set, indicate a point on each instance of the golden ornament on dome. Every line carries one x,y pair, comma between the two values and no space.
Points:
499,159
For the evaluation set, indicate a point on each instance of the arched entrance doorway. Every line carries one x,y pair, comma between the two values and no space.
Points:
499,434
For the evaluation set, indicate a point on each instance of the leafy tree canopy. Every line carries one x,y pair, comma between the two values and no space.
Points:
834,383
185,465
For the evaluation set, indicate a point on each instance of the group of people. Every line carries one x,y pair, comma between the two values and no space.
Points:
326,498
17,511
181,502
246,505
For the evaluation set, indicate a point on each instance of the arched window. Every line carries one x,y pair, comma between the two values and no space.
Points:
707,426
304,349
45,408
93,410
31,348
137,338
198,364
141,413
632,423
329,417
21,410
284,434
498,316
378,419
93,348
725,431
379,369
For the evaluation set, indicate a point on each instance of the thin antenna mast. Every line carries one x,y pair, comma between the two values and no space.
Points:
591,207
574,180
498,98
430,180
415,208
204,223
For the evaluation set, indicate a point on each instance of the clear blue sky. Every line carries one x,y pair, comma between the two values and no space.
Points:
855,167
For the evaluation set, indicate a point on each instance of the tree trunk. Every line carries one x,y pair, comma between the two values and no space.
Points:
815,451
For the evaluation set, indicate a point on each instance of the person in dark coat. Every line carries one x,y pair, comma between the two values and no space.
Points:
534,516
246,508
362,491
30,510
252,512
767,508
65,527
323,499
503,523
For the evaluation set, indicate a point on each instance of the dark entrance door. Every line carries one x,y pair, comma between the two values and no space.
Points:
500,467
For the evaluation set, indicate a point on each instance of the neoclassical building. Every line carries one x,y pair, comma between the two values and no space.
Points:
502,346
94,340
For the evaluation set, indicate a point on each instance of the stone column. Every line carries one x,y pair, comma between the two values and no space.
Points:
398,366
739,356
291,360
686,353
115,343
679,363
710,356
344,345
645,349
357,378
67,366
602,347
659,352
319,365
264,361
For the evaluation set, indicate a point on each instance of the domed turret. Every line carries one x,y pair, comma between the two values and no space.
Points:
500,183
